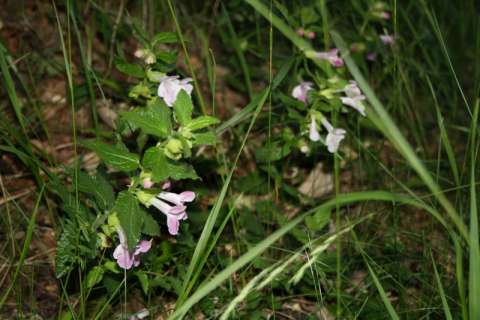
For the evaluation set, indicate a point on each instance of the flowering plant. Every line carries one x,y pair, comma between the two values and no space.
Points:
161,122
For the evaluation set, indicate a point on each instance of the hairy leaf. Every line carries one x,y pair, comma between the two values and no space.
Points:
154,119
114,156
130,216
183,108
202,122
66,255
99,187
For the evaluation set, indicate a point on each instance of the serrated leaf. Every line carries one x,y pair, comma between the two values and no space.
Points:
97,186
318,220
165,37
150,226
183,108
167,57
202,122
114,156
207,138
130,216
129,69
156,161
94,276
273,152
154,119
65,256
179,171
163,168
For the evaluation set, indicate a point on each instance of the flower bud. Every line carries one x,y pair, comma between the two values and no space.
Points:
150,58
140,90
174,149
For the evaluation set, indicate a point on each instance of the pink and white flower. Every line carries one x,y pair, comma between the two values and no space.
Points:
354,97
172,205
126,259
313,134
170,87
334,136
387,39
310,35
371,56
300,91
331,56
385,15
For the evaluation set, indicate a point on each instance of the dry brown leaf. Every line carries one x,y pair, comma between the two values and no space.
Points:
318,183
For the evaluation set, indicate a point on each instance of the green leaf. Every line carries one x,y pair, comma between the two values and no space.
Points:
65,255
207,138
154,119
129,69
183,108
94,276
273,152
165,37
130,216
179,171
318,220
163,168
202,122
97,186
143,279
167,57
114,156
150,226
156,161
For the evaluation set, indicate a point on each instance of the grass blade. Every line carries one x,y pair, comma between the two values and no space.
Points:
391,311
445,139
474,269
251,254
235,43
212,217
446,308
26,246
10,88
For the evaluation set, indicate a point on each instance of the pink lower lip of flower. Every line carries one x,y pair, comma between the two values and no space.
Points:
173,225
311,35
143,246
177,210
127,260
187,196
123,257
